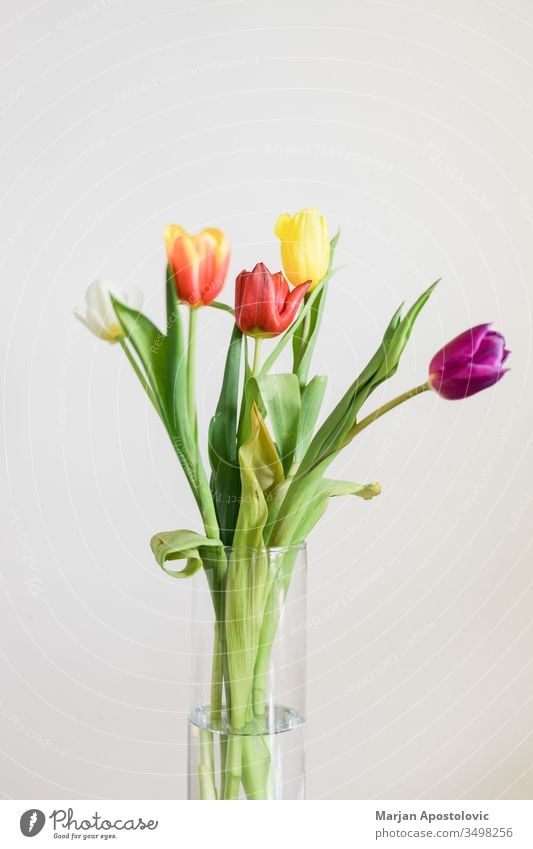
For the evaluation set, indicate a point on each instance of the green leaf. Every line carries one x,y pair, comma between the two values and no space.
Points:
225,478
289,501
306,335
334,489
163,360
287,336
247,588
259,455
317,500
400,336
248,577
311,402
253,512
223,427
304,340
149,343
280,394
182,545
250,396
261,472
307,501
330,436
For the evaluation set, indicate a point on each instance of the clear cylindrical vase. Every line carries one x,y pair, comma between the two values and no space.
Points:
247,721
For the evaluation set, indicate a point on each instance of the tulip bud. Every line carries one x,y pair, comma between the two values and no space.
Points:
264,304
469,363
304,246
199,263
100,316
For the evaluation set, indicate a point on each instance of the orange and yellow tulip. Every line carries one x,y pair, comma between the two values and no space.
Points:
198,263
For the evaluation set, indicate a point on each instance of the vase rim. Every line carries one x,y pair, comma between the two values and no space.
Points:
296,546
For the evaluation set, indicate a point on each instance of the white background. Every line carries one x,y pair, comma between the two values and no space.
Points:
409,125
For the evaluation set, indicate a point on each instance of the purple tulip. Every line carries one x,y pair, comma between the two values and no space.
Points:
469,363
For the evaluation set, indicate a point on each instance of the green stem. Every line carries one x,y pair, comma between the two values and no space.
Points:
218,305
256,767
191,367
206,769
206,505
217,678
201,484
233,771
405,396
304,331
257,355
273,608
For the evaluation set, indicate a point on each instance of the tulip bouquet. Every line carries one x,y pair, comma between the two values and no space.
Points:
269,448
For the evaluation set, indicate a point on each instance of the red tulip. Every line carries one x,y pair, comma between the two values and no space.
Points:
199,263
264,304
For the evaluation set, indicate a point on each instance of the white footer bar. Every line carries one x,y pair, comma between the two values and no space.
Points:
359,824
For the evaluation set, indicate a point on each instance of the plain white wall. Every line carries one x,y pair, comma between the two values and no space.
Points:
410,126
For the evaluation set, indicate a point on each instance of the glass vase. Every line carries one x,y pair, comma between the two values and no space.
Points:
247,721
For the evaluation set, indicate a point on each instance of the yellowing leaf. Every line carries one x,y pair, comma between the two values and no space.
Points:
259,454
181,545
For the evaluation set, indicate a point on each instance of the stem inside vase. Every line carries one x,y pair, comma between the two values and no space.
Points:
247,740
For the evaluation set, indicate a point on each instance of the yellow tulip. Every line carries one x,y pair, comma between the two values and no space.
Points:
304,241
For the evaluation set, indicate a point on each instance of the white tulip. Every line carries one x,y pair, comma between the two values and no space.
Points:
100,317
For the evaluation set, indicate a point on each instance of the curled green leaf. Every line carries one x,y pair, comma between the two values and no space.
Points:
182,545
